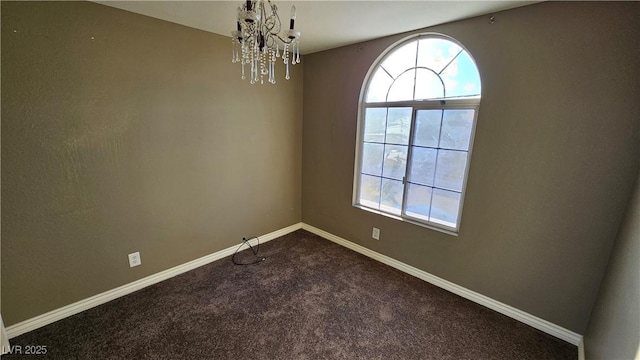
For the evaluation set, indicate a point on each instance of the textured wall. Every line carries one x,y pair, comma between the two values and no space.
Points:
124,133
555,155
614,328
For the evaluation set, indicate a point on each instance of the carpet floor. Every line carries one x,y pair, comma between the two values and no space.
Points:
310,299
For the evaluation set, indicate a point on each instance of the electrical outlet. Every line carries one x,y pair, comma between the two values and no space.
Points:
134,259
376,233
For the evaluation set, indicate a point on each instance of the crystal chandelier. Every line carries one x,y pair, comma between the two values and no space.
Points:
257,41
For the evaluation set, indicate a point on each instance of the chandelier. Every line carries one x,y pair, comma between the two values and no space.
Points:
257,41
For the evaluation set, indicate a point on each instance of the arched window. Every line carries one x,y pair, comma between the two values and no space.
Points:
418,109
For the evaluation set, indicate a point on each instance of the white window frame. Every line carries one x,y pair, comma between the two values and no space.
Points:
416,105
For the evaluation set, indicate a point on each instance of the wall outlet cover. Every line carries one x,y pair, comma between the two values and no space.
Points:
376,233
134,259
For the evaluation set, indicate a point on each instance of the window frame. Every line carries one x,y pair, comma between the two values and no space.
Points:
416,105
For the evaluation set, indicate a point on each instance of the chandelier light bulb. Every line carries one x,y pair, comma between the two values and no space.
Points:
293,17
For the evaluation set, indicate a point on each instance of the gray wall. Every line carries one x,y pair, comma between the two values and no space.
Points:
614,328
139,140
555,155
143,138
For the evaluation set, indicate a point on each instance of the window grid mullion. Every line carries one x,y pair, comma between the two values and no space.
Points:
386,177
384,146
451,61
407,170
428,104
435,166
430,147
429,186
415,69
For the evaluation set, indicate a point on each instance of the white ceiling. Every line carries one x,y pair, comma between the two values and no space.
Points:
323,24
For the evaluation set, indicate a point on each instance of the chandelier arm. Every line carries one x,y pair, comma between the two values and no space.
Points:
259,41
285,41
272,22
277,23
270,41
272,26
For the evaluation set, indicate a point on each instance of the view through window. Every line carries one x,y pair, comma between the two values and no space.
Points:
416,122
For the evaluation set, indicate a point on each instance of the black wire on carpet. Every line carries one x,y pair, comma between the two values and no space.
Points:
255,250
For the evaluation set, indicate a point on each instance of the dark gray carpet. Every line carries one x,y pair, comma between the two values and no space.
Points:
311,299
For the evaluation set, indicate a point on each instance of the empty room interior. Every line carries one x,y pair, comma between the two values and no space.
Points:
141,145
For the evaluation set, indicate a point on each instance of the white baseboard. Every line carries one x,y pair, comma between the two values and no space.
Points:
4,339
82,305
581,350
531,320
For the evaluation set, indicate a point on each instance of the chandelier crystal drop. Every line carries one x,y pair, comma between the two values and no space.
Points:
257,43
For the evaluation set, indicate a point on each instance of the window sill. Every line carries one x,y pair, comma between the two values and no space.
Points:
396,217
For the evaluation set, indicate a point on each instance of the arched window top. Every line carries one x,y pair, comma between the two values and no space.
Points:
425,67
